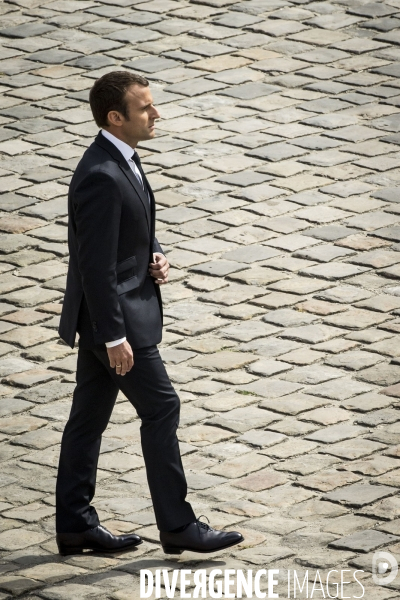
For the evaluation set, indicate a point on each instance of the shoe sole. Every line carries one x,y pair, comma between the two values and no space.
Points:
172,550
69,551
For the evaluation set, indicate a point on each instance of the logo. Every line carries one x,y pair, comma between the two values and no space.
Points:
384,568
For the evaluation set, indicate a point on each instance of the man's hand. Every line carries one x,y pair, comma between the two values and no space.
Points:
159,269
121,358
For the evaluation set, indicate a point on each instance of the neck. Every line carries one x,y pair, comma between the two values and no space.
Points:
118,134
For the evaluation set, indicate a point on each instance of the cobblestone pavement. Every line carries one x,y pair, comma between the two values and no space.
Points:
275,166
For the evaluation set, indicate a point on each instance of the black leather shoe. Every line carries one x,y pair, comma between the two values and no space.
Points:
198,537
98,539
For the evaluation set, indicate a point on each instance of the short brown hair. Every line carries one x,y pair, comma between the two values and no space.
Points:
108,93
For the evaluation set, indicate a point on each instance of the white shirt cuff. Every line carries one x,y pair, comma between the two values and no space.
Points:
115,342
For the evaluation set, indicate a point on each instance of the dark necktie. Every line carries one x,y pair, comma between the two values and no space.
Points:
136,159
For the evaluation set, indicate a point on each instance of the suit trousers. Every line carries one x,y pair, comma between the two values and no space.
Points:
148,388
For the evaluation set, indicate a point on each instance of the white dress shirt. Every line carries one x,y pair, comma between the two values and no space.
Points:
127,152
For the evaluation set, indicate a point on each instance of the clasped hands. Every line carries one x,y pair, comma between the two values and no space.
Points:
121,356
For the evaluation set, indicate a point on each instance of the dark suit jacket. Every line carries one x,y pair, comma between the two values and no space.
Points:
111,241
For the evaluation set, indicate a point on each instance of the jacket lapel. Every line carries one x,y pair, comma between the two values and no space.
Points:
127,171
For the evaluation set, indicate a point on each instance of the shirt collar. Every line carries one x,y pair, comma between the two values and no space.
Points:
126,151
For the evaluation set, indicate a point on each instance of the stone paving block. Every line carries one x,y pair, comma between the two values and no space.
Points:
221,268
324,253
387,194
383,303
329,233
14,365
195,327
344,294
356,319
32,335
9,406
375,465
341,389
250,254
292,427
268,367
285,496
299,285
384,374
354,360
306,464
346,189
231,294
204,433
359,494
372,221
238,218
260,276
312,375
352,449
240,420
261,480
392,272
391,477
261,439
18,585
293,447
48,392
288,317
387,435
250,330
388,233
283,224
385,346
364,541
52,572
386,509
270,347
17,539
282,526
274,388
327,480
388,123
68,591
223,361
258,193
20,424
195,87
31,513
335,433
332,271
277,152
288,263
367,402
311,334
326,415
292,242
39,439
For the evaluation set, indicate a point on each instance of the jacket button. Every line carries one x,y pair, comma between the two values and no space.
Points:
94,325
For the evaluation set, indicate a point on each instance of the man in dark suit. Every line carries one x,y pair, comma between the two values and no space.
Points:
113,300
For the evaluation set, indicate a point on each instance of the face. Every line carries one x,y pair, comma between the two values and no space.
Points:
141,117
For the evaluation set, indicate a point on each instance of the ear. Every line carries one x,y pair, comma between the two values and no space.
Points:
114,118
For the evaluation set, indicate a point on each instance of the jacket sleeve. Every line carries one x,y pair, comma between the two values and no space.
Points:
97,210
157,247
